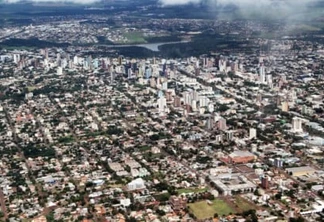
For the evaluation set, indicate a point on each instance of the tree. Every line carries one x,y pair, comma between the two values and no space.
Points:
131,219
298,219
50,216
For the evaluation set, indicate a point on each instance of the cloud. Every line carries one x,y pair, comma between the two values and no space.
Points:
59,1
237,2
179,2
278,9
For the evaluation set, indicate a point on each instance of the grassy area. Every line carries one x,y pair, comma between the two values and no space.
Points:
134,37
144,148
116,185
66,139
243,204
203,210
191,190
139,119
31,88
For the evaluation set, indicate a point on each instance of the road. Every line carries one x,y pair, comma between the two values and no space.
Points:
21,153
3,204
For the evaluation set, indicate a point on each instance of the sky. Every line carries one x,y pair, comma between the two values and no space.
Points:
246,8
287,10
73,1
237,2
240,3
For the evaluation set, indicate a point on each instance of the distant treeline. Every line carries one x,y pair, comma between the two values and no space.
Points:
201,44
32,42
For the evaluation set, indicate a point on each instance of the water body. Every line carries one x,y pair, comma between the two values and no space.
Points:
151,46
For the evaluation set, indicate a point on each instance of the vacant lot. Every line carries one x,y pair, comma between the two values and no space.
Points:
243,204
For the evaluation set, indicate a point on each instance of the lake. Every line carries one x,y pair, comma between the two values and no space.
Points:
151,46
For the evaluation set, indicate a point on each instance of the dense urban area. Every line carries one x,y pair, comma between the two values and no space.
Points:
122,118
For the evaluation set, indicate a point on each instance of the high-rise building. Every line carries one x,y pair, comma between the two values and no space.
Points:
129,73
304,109
164,85
194,105
112,77
161,104
269,79
195,95
120,60
187,98
148,73
58,58
222,65
222,124
229,135
203,101
153,83
16,58
205,62
177,101
278,162
168,96
59,71
210,123
197,71
297,124
252,133
265,184
262,74
284,106
46,53
211,107
76,60
160,93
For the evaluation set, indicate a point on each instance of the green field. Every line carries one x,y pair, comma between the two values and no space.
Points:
31,88
135,37
203,210
191,190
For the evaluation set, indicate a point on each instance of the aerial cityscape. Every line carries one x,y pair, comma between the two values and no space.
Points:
147,110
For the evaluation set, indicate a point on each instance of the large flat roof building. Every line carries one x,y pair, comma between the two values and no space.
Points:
301,171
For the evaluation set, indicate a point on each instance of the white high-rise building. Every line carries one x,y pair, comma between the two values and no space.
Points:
253,133
76,60
187,98
195,95
211,107
284,106
203,101
16,58
222,65
59,71
297,124
269,79
262,75
194,105
165,85
161,104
